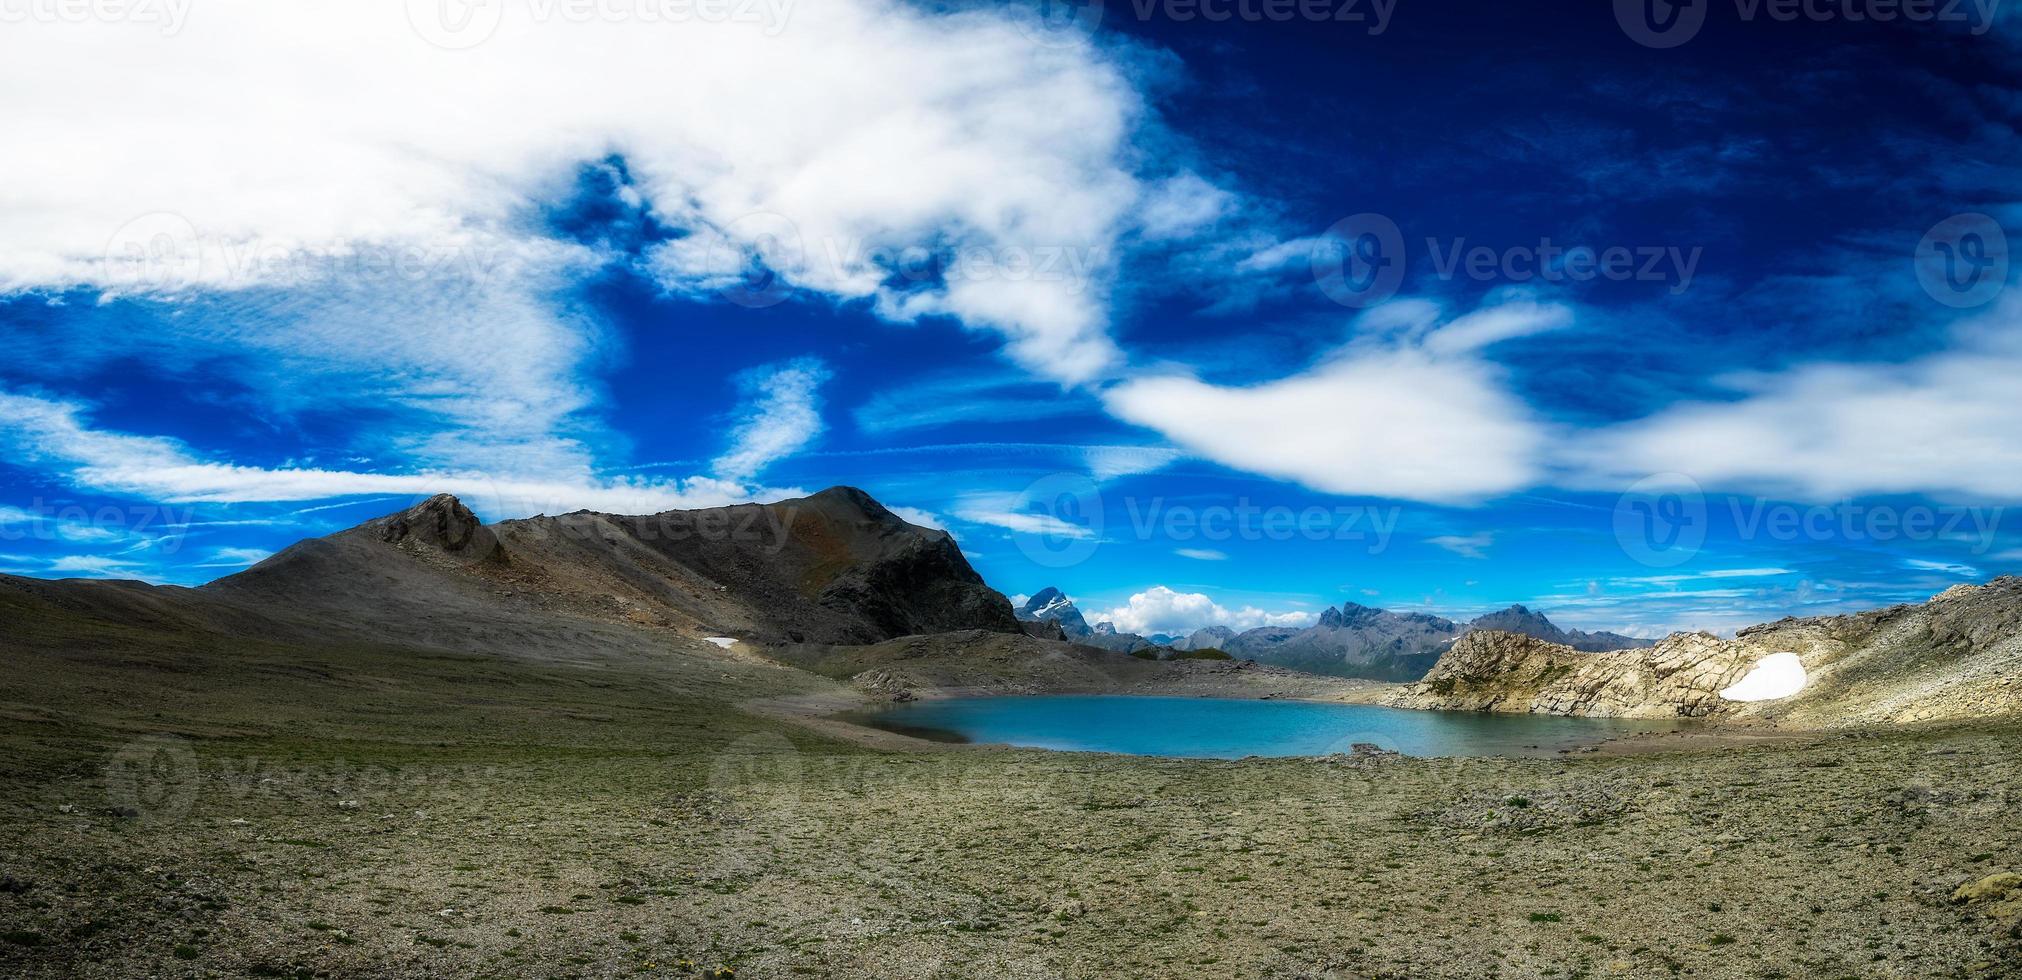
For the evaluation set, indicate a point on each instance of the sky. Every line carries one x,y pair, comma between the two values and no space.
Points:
1204,311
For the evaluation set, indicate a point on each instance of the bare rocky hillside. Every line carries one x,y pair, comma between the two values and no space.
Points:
834,567
1956,656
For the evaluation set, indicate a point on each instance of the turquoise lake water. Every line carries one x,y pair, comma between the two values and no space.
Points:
1228,729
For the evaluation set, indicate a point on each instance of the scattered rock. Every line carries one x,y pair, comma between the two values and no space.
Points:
1997,896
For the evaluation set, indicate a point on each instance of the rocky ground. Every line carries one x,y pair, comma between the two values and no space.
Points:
382,756
369,816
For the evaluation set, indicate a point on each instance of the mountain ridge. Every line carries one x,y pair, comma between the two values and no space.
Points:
834,567
1352,640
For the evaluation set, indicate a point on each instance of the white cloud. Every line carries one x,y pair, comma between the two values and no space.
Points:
1023,523
923,518
781,414
1162,610
1468,546
1110,462
996,396
1182,205
1409,414
884,127
91,565
56,433
1201,554
1948,567
236,557
1941,424
1678,577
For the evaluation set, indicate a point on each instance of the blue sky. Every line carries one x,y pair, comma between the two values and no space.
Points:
1199,320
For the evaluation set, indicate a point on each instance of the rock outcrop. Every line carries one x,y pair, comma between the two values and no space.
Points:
1489,670
1957,656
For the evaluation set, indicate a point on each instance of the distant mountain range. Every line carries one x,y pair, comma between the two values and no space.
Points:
1352,641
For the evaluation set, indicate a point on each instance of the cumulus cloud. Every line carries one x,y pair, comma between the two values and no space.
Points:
1163,610
1408,411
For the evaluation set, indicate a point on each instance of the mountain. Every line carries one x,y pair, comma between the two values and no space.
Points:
833,567
1517,619
1351,641
1050,605
1956,656
1206,638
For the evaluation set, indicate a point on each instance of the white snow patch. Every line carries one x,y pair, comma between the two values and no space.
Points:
1778,675
723,641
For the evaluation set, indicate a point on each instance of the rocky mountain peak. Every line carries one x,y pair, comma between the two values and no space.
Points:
850,498
1050,605
833,567
441,522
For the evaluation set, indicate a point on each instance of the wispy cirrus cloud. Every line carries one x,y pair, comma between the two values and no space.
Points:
1466,546
58,434
780,416
994,397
